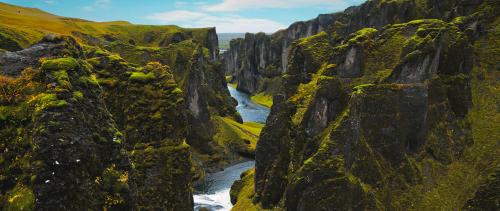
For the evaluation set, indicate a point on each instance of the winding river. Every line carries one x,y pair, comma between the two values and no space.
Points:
213,193
249,110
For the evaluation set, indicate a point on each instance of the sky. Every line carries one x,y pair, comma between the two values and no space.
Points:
229,16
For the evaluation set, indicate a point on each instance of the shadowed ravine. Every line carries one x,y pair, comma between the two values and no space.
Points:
213,193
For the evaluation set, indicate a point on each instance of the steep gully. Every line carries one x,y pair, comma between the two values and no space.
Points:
213,193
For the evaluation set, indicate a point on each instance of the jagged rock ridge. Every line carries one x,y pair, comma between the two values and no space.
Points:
383,119
255,61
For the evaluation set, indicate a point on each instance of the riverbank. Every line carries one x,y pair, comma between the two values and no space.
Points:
213,193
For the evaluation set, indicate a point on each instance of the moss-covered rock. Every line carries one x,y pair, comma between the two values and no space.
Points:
64,152
147,106
387,120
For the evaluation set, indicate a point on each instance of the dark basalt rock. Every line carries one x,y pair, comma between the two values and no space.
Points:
9,44
362,119
12,63
147,105
487,196
71,161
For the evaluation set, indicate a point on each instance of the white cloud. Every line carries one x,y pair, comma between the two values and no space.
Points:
186,4
224,23
177,16
236,5
49,1
98,4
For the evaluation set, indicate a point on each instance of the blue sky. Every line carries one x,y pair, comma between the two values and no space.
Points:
226,15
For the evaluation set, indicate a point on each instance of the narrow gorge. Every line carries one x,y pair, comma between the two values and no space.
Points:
388,105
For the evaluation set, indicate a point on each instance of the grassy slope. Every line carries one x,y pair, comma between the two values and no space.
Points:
232,134
246,194
263,99
28,25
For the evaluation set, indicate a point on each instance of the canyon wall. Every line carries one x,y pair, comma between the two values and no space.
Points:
257,59
385,118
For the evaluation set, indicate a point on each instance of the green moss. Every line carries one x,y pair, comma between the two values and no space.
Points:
62,79
20,198
242,137
317,46
362,35
141,77
263,99
171,164
88,80
110,82
46,101
360,88
305,93
234,85
115,185
246,193
15,113
78,95
177,91
67,63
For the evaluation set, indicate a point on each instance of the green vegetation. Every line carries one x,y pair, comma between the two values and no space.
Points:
78,95
304,95
361,36
263,99
480,160
45,101
67,63
141,77
27,26
242,137
317,47
20,198
245,193
234,85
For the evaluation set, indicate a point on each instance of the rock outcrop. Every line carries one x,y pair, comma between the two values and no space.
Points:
145,103
256,60
56,156
204,90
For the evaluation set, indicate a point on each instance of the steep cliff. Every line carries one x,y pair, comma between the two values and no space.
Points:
132,156
56,156
256,60
191,55
145,103
385,119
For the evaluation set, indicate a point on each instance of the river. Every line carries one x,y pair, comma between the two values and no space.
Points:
213,193
249,110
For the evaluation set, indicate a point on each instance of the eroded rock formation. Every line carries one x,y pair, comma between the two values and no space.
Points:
384,118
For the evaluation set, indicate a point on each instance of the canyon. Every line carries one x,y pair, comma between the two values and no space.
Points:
389,105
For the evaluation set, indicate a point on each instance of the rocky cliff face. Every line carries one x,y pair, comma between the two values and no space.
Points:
256,59
384,119
56,156
133,155
204,90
